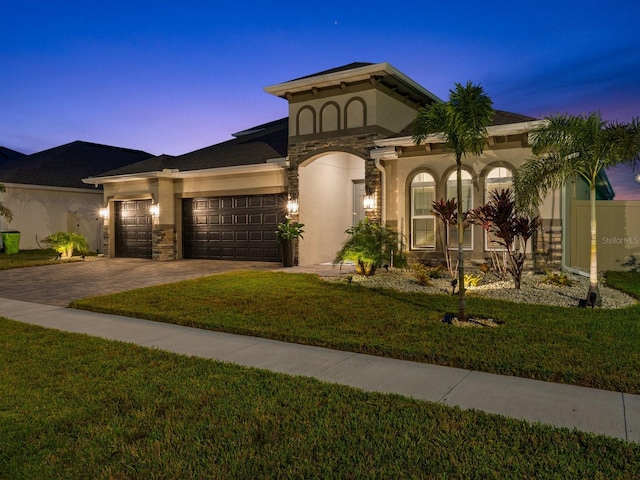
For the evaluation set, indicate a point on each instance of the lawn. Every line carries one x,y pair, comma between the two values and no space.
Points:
595,348
73,406
31,258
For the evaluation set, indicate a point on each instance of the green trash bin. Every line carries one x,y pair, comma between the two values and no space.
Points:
11,242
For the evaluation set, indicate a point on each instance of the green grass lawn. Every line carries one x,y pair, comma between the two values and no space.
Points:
595,348
31,258
73,406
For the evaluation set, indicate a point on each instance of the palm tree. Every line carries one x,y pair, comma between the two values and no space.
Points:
4,211
463,122
569,146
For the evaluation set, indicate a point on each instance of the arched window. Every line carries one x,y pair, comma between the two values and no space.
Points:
499,178
423,223
467,204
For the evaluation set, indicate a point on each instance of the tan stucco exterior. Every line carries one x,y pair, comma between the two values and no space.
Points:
39,211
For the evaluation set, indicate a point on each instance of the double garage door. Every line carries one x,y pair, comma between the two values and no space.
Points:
240,227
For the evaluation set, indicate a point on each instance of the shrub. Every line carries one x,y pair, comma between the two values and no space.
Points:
421,273
369,246
557,279
471,280
65,243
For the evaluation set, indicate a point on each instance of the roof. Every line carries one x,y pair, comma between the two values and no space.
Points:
249,147
501,117
382,73
8,154
67,165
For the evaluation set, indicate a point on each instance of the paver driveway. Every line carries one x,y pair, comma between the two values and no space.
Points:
60,284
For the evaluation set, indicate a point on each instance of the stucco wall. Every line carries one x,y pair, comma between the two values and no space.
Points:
440,166
326,204
40,211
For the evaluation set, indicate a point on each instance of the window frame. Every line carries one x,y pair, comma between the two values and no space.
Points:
430,217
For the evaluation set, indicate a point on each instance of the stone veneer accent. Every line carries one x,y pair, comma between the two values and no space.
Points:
163,243
106,251
359,145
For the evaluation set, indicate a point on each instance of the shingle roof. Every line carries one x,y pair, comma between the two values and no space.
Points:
343,68
8,154
501,117
252,146
67,165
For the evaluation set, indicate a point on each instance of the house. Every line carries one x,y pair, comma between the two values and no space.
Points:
347,138
46,194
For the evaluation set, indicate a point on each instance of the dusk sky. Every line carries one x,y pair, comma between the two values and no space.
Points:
173,77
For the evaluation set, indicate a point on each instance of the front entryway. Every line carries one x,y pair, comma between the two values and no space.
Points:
133,226
240,227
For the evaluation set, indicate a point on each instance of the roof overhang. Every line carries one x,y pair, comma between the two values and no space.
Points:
28,186
492,131
273,165
378,70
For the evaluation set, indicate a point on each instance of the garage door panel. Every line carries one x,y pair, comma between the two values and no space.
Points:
240,227
133,224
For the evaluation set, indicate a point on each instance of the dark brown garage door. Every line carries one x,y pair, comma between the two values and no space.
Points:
133,229
241,227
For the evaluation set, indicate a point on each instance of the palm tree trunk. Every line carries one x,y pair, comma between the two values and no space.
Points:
593,269
462,303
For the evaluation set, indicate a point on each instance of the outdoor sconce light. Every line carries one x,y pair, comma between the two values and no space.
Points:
369,202
104,212
292,206
154,209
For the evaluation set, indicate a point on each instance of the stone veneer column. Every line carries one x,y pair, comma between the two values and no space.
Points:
163,243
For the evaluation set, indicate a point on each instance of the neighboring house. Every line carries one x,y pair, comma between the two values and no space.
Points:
347,138
46,194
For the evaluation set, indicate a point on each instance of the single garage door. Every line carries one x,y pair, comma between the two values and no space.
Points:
133,229
240,227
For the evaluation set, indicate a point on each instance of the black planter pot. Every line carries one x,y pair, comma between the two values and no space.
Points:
288,253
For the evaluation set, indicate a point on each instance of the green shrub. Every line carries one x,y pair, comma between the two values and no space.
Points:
421,274
65,243
557,279
369,246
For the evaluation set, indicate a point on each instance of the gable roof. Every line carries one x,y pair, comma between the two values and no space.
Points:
67,165
249,147
8,154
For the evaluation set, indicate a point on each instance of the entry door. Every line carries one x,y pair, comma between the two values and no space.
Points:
358,201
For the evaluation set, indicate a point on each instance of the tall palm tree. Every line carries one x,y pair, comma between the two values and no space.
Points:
4,211
463,122
569,146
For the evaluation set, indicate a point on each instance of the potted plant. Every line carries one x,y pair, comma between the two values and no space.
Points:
65,243
287,234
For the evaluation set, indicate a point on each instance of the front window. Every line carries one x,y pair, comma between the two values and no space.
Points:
423,223
499,178
467,204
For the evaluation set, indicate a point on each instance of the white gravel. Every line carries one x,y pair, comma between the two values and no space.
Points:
532,289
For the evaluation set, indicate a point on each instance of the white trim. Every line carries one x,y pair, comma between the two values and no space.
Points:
492,131
277,165
28,186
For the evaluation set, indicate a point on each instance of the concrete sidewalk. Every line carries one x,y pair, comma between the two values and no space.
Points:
586,409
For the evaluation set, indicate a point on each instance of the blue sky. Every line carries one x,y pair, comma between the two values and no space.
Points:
172,77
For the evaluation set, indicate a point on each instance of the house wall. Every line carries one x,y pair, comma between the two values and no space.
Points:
326,204
39,211
440,165
618,235
356,108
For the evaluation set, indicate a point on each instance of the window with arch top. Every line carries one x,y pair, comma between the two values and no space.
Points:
423,222
467,204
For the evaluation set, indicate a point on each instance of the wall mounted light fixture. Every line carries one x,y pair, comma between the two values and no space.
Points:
369,202
104,212
292,205
154,209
